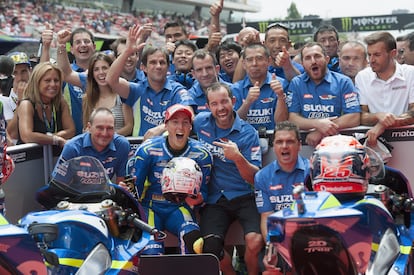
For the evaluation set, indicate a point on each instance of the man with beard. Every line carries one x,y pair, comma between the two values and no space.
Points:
205,71
234,145
352,58
386,87
319,100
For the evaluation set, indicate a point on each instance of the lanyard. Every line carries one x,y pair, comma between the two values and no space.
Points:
50,127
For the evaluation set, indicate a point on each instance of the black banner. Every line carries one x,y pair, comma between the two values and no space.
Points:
373,23
296,27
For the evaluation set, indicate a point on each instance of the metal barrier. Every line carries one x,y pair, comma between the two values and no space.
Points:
34,164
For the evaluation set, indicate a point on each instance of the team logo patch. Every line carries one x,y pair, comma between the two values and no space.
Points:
276,187
327,97
207,134
267,100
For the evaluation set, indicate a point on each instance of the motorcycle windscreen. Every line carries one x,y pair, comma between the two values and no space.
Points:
82,175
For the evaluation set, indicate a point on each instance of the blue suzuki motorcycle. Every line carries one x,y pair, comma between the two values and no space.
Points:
353,222
92,226
19,253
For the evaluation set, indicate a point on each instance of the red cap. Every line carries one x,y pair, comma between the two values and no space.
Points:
176,108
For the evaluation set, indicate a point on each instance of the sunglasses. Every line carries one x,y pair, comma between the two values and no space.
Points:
277,25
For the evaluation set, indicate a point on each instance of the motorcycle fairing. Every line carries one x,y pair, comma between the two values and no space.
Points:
322,209
19,254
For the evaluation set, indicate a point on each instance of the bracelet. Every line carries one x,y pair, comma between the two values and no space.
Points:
55,140
61,48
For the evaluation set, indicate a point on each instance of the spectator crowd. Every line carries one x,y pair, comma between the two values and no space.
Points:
28,18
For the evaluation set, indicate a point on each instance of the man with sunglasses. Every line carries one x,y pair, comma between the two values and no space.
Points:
278,42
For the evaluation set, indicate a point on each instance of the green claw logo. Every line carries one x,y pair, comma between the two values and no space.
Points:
263,26
346,24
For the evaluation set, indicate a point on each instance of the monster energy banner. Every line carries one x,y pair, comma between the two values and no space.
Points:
373,23
296,27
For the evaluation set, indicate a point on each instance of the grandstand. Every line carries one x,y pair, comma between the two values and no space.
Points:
110,17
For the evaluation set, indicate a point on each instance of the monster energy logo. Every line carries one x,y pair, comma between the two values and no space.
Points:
346,24
263,26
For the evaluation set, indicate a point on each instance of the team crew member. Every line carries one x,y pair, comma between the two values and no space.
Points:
150,160
260,98
275,182
101,142
235,148
321,100
150,98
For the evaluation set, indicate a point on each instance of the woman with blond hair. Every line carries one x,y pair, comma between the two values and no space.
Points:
43,114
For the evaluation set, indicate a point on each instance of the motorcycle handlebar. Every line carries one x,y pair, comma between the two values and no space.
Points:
158,234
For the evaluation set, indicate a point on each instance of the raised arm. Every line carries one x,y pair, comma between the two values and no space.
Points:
281,112
47,38
62,59
214,28
283,60
113,77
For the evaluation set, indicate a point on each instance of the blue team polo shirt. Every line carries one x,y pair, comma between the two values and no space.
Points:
280,72
261,112
139,76
73,96
113,158
199,96
225,77
274,186
149,107
225,178
334,96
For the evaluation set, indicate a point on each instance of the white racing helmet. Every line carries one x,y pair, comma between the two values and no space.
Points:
181,177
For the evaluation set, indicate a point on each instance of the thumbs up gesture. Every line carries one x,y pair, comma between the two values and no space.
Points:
276,86
283,58
253,93
170,45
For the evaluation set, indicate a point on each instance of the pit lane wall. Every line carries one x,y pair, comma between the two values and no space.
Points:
34,164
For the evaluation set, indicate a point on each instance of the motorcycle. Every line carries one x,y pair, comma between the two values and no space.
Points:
345,225
19,253
91,226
